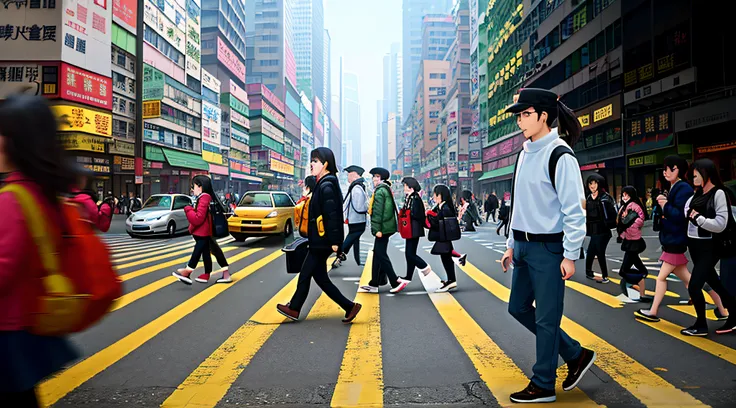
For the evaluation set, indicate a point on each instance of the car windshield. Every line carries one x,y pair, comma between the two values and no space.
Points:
256,200
158,202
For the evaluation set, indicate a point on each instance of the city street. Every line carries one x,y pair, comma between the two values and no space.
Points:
225,345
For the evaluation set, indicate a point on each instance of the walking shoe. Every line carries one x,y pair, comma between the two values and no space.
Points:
604,280
337,263
402,279
342,257
426,270
446,287
349,317
645,314
288,312
719,315
577,369
226,278
646,299
368,289
401,286
183,275
532,394
695,331
203,278
590,275
729,327
462,260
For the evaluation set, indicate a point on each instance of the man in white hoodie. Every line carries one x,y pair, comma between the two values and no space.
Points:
355,208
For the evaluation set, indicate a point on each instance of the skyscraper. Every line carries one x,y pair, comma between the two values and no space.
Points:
327,69
413,14
351,118
389,109
269,38
309,45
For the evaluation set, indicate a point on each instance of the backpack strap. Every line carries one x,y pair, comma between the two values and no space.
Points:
558,152
507,227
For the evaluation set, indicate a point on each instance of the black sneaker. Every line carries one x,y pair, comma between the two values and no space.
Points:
590,276
604,280
463,259
729,327
532,394
646,299
719,315
695,331
577,369
343,257
645,314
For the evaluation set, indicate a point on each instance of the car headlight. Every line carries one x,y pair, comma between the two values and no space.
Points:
153,219
273,214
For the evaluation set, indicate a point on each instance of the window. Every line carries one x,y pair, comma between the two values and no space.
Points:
256,200
180,202
282,200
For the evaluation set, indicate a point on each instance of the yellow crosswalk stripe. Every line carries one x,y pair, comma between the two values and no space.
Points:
138,254
126,246
647,291
689,310
642,383
131,297
499,372
709,346
360,382
595,294
210,381
158,267
53,389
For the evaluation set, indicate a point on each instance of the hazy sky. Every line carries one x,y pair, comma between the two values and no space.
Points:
362,32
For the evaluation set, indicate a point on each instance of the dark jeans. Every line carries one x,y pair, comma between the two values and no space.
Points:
492,214
630,259
315,266
217,252
449,267
412,259
382,263
353,240
25,399
501,225
537,278
597,248
202,249
704,271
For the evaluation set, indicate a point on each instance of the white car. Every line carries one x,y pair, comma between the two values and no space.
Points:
161,214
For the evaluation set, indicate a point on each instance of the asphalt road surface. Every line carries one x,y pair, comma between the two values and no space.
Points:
223,345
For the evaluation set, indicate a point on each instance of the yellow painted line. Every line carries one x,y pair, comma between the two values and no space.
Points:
644,258
709,346
131,297
55,388
595,294
360,382
210,381
642,383
708,299
690,310
158,267
142,253
153,258
648,292
502,376
127,246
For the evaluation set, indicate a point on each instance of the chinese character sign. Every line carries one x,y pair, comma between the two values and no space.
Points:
194,48
230,60
86,26
30,30
79,85
125,13
73,118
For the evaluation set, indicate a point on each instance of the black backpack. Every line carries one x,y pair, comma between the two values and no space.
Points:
219,221
609,211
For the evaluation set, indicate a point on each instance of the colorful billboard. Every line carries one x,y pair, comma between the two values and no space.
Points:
230,60
79,85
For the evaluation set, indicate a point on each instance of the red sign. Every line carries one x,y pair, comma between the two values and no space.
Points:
79,85
230,60
125,10
593,166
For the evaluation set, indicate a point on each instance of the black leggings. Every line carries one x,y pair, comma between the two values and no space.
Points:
202,249
353,240
704,271
217,252
315,267
412,259
630,259
597,248
501,225
449,266
25,399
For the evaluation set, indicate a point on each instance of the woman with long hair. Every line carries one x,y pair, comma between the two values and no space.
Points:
444,209
325,234
708,212
200,226
30,156
597,205
415,207
631,218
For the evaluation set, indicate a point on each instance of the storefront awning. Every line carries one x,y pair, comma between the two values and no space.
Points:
185,160
241,176
503,171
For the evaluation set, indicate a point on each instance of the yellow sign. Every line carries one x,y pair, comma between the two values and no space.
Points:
211,157
602,113
281,167
584,120
151,109
80,141
75,118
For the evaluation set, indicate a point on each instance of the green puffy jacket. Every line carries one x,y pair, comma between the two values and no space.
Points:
383,211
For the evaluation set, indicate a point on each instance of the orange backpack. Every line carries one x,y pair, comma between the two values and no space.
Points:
301,215
79,285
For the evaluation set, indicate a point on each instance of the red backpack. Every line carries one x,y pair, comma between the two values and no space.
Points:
79,285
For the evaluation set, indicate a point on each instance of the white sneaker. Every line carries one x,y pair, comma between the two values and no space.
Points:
447,287
426,270
183,279
401,280
402,285
223,279
368,289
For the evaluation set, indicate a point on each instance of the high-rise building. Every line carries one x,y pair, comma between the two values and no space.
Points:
269,38
392,79
327,70
309,43
412,17
438,33
351,118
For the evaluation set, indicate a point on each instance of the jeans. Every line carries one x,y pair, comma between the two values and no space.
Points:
537,278
704,270
315,266
202,249
353,240
412,259
492,214
630,259
217,252
597,248
382,263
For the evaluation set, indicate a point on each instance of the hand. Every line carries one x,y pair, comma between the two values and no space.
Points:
693,214
334,248
379,234
567,268
506,259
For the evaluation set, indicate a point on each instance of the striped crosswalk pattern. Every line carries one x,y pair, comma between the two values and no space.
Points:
245,355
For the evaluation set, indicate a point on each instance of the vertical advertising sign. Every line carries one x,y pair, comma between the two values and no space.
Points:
124,13
194,47
211,123
230,60
86,26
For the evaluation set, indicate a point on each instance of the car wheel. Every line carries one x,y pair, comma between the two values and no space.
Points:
239,238
171,229
288,230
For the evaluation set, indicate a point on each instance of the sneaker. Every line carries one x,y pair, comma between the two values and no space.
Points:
288,312
532,394
203,278
463,259
604,280
337,263
401,286
226,278
402,279
182,278
577,369
446,287
695,331
729,327
349,317
342,257
719,315
426,270
646,299
369,289
590,275
645,314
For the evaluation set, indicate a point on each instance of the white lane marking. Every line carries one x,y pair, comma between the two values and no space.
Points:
357,279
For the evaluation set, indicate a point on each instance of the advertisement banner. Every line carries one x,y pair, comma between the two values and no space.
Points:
211,123
238,92
153,83
31,33
281,167
151,109
210,82
239,119
124,12
80,141
86,26
161,24
31,78
75,118
122,148
194,47
230,60
79,85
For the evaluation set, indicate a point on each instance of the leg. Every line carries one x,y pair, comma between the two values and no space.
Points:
717,300
449,267
601,254
387,267
592,252
412,259
217,252
702,257
661,287
199,246
206,257
625,267
522,293
323,281
305,279
350,239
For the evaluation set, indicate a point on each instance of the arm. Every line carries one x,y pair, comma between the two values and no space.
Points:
673,210
378,209
331,215
197,217
14,235
417,210
639,222
570,193
720,222
104,218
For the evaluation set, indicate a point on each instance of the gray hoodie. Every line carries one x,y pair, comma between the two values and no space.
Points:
355,207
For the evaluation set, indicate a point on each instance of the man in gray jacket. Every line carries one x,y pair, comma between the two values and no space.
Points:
355,208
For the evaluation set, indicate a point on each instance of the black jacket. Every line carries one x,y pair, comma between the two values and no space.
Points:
416,213
326,202
434,221
595,216
491,203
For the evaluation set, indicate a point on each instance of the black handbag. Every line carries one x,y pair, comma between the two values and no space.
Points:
638,246
219,221
449,229
296,254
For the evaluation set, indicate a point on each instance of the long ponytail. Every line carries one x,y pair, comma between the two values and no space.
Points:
568,123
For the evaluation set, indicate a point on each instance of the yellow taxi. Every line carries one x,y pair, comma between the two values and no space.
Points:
262,213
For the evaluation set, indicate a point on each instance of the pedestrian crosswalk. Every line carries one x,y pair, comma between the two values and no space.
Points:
259,353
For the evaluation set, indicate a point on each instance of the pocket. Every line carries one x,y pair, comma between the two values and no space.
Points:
554,248
320,226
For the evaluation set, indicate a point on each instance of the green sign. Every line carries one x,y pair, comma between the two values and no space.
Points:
153,83
234,103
